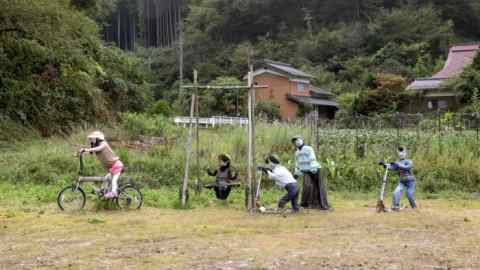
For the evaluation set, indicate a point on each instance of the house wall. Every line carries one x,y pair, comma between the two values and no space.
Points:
420,104
278,89
326,112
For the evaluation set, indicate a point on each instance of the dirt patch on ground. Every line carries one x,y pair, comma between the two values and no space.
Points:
351,237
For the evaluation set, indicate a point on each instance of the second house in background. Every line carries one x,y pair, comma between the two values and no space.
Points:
290,88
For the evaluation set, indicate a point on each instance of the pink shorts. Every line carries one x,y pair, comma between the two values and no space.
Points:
116,168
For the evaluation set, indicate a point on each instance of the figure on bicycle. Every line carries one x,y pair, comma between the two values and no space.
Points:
107,157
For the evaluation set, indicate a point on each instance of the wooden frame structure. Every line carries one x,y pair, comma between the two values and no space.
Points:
194,114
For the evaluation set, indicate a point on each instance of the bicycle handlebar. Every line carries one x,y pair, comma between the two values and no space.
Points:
80,154
384,164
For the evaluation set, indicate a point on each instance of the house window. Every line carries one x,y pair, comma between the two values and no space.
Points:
301,87
442,104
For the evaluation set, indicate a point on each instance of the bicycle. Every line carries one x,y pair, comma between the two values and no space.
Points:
73,197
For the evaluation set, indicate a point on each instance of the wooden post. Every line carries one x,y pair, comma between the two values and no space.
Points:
254,165
251,177
188,150
197,139
476,134
249,189
317,132
439,132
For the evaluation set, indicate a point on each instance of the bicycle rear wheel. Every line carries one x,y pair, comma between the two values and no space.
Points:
71,198
129,197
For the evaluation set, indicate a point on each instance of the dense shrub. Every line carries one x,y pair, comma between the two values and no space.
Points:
161,107
142,124
268,110
388,95
55,72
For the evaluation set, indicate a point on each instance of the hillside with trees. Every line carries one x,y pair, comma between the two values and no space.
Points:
60,67
99,170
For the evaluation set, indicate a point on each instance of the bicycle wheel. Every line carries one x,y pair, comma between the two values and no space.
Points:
71,198
129,197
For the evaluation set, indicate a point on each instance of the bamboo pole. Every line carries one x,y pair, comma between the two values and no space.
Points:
188,151
254,165
317,135
197,139
250,144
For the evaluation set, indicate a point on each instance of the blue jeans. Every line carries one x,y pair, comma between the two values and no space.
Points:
409,187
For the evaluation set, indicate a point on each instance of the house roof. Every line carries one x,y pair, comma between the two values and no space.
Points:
313,101
425,84
285,68
460,56
320,91
262,71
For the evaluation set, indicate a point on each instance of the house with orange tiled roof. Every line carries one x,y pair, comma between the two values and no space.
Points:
432,94
290,88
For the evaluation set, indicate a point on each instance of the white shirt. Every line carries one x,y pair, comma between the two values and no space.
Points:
281,175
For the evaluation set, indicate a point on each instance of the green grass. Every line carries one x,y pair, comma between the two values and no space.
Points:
442,165
212,231
35,196
440,234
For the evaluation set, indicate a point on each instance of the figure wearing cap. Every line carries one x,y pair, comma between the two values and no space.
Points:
404,167
314,194
283,178
107,157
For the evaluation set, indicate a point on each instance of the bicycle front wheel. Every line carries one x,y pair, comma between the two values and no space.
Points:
129,197
71,198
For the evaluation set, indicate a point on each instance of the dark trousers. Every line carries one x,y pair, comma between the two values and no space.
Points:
222,192
291,196
314,193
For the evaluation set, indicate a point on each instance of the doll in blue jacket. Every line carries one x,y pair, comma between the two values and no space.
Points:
314,192
404,167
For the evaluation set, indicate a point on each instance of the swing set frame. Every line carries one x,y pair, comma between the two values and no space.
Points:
250,190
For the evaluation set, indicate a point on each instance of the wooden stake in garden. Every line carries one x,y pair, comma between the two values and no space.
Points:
251,143
188,148
197,134
250,190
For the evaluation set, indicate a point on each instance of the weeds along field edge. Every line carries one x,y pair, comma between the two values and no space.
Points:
35,197
442,164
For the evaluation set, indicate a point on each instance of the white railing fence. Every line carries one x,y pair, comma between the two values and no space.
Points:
211,121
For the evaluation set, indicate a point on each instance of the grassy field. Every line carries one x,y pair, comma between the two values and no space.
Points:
442,234
441,163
